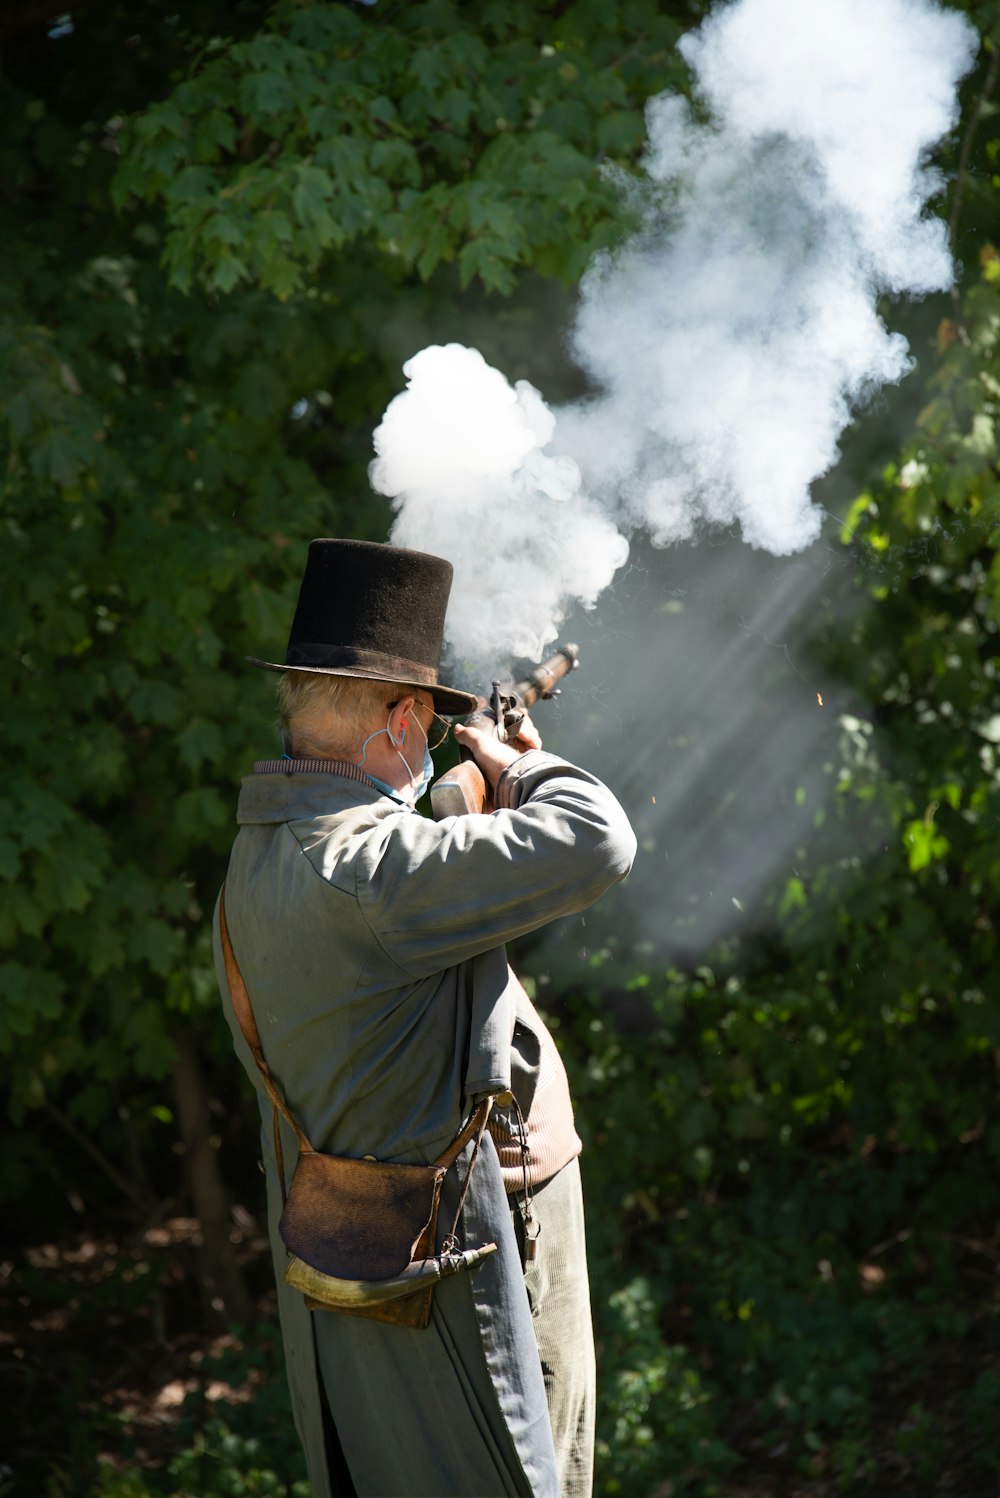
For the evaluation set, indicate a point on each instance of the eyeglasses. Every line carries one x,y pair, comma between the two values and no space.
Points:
437,730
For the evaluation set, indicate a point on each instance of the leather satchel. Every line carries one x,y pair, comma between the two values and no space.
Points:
360,1234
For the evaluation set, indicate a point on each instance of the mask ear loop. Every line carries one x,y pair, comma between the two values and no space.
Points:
388,733
393,741
364,746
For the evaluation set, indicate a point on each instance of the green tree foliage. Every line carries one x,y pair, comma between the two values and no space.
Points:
147,498
453,133
208,225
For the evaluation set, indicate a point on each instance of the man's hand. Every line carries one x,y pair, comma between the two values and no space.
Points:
528,736
490,753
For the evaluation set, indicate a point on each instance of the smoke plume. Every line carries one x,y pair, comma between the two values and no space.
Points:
728,341
463,453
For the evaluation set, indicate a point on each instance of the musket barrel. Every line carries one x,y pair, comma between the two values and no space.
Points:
542,681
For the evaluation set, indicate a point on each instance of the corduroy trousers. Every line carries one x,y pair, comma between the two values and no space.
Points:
559,1295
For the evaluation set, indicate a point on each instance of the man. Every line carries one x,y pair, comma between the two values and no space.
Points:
370,940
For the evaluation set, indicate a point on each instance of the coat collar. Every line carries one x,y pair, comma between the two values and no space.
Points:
290,794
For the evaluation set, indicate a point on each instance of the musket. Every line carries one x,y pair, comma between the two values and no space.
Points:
463,789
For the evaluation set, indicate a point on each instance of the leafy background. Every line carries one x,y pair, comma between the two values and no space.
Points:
224,228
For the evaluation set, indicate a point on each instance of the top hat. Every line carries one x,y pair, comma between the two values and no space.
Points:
373,611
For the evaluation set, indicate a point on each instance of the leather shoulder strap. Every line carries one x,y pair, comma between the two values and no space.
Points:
243,1010
473,1130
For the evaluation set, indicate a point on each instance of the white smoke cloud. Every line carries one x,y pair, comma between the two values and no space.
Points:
729,340
733,336
464,453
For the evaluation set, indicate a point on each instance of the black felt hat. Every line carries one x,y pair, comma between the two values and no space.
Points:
373,611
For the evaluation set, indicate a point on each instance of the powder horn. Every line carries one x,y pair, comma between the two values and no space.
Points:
335,1292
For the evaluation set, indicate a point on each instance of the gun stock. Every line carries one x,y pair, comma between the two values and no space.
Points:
461,792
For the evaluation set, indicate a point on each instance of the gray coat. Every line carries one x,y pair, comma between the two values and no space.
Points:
370,939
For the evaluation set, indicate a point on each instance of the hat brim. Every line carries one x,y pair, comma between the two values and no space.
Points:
447,700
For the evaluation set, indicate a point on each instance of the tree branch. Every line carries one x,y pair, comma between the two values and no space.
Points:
113,1175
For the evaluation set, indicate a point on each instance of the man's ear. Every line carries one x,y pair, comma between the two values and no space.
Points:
399,718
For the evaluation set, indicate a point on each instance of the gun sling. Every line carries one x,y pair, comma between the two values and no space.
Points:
360,1234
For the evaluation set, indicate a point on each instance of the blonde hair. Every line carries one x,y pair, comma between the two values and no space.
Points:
328,717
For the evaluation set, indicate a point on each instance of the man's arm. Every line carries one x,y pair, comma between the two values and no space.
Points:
438,893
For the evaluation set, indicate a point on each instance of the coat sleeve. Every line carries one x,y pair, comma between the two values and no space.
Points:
438,893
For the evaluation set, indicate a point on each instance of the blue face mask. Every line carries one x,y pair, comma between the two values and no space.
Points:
418,784
426,774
